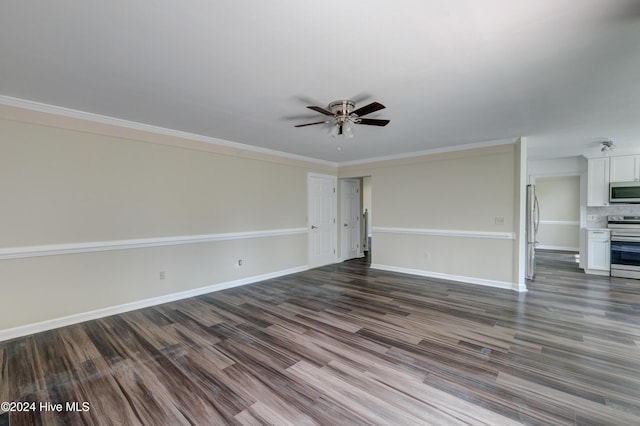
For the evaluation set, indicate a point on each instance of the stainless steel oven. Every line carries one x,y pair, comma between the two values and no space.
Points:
625,246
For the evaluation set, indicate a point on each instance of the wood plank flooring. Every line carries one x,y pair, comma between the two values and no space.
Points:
344,344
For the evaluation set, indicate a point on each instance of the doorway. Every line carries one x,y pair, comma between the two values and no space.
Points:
355,218
350,217
366,216
559,198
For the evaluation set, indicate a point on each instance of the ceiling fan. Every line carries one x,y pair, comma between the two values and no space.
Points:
607,145
343,114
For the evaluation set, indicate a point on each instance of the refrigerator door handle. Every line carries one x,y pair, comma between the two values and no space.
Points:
536,210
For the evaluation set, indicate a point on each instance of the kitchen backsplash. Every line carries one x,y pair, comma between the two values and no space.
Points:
601,213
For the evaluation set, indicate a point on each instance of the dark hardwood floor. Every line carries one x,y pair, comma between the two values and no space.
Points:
344,344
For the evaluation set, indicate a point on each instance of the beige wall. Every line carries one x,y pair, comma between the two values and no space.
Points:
70,185
457,194
559,199
64,187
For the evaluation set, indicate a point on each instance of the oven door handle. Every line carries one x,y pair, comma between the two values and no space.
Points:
622,238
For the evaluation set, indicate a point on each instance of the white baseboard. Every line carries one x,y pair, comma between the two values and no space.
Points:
471,280
597,272
24,330
557,248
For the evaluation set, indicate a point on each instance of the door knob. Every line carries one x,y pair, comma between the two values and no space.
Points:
314,227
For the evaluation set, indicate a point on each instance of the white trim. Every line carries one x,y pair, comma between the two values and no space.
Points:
619,152
520,217
430,152
605,273
103,119
72,248
322,175
447,233
343,240
97,118
559,248
24,330
471,280
560,222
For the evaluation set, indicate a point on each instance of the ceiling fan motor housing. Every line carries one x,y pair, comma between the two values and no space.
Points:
342,107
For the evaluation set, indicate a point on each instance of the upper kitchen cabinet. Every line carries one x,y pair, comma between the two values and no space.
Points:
625,168
598,182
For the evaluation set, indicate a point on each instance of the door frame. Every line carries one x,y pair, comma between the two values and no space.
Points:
343,240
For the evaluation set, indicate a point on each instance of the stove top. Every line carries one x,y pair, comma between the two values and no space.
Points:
628,223
624,219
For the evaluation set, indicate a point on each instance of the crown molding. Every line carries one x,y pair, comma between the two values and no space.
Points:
118,122
133,125
454,148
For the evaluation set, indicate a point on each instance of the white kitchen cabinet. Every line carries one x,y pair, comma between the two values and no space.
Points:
625,168
598,252
598,182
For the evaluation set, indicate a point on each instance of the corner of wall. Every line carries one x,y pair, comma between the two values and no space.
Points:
519,222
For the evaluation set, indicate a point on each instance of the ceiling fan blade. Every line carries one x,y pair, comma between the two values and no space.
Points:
300,117
311,124
368,109
374,121
360,97
320,110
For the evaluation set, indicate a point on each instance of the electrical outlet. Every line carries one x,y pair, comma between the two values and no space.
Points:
162,275
592,217
499,220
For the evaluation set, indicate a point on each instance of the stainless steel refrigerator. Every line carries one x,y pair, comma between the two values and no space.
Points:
533,220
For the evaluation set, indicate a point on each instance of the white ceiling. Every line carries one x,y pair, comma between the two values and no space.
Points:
563,73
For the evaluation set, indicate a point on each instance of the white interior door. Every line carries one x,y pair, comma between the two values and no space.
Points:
350,217
322,219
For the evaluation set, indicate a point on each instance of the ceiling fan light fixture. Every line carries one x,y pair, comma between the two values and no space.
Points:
341,130
334,130
607,146
348,132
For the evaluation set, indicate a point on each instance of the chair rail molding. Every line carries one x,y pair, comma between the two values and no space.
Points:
93,246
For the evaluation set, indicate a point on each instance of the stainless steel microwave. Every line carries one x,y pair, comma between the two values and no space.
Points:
624,192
